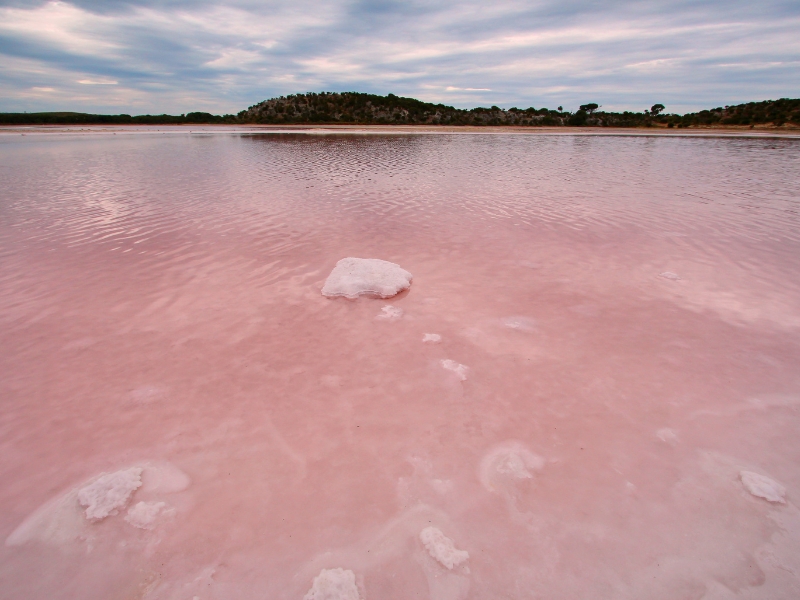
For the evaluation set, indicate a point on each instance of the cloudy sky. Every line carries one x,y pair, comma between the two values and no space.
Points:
175,56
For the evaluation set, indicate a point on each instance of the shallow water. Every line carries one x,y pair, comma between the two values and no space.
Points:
626,311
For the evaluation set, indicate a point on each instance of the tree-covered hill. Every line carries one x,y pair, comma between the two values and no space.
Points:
370,109
354,107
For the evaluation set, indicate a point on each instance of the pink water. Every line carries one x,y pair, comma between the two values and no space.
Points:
627,309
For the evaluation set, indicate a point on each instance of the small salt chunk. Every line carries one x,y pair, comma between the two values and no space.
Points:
390,313
763,487
457,368
109,492
144,514
508,463
333,584
441,547
431,338
668,275
442,486
514,465
352,277
525,324
667,435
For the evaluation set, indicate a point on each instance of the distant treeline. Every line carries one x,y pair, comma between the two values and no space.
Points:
370,109
74,118
354,107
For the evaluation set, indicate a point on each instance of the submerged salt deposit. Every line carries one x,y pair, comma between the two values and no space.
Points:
144,515
71,516
333,584
670,275
763,487
431,338
456,367
506,463
353,277
525,324
441,547
390,313
109,492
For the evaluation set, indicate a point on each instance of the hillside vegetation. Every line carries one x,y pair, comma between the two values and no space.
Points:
370,109
353,107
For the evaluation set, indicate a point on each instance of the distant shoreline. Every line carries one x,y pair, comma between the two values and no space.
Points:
318,129
332,109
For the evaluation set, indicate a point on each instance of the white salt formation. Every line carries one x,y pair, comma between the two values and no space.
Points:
109,492
441,547
61,520
58,521
520,324
763,487
667,435
333,584
390,313
457,368
431,338
353,277
164,478
507,463
668,275
144,514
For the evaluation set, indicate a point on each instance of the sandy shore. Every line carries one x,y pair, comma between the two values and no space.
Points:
395,129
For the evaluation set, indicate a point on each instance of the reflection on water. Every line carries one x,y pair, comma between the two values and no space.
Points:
600,338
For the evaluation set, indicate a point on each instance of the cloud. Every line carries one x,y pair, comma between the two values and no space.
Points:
452,88
182,55
98,81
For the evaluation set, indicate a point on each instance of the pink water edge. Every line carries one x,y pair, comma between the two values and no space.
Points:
611,408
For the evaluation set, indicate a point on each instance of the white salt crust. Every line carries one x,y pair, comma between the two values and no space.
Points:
109,492
431,338
669,275
145,514
763,487
352,277
390,313
507,463
61,520
667,435
457,368
441,547
525,324
333,584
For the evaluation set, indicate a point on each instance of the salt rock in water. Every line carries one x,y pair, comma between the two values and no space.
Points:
431,338
763,487
457,368
109,492
507,463
333,584
441,547
520,324
353,277
390,313
145,514
670,275
667,435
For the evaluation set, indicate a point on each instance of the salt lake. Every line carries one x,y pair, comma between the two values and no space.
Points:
590,389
